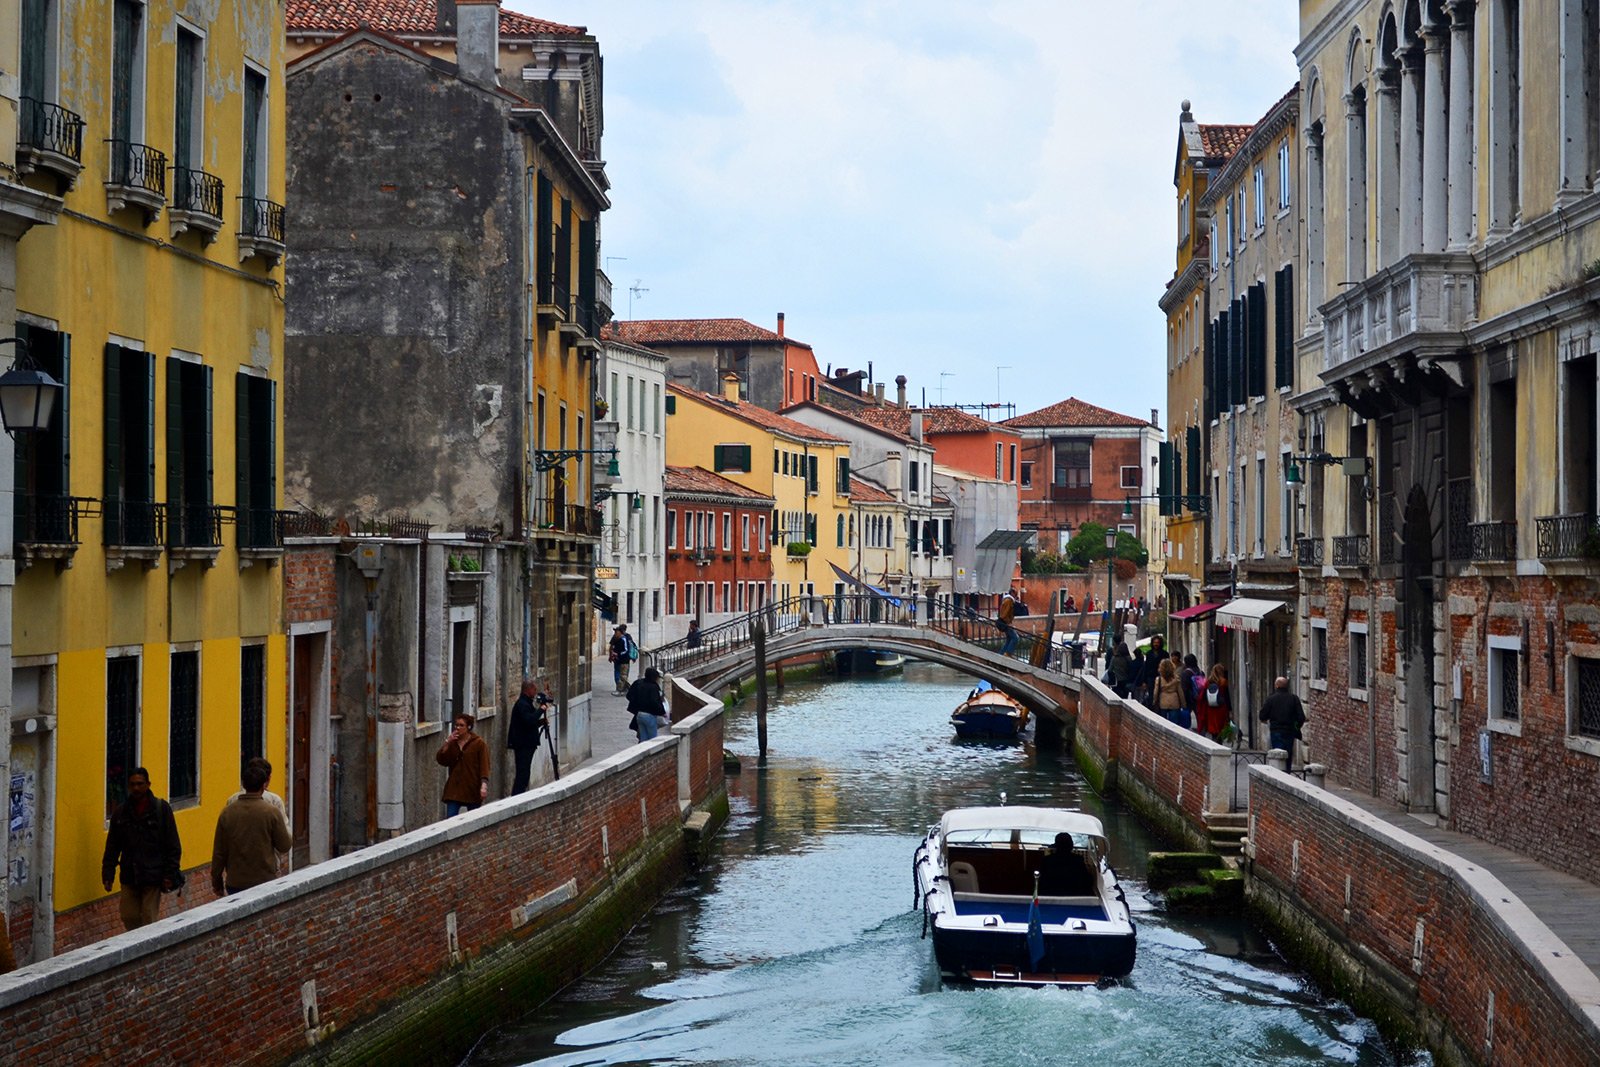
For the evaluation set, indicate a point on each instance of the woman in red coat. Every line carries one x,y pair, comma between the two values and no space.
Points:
1215,703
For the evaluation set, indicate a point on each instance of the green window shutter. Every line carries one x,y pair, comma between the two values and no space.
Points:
716,457
587,250
745,458
811,474
1196,460
811,528
1164,491
61,428
210,491
544,254
671,404
149,485
175,495
839,529
269,448
844,475
241,445
111,491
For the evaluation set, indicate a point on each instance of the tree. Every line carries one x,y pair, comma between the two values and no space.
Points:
1088,546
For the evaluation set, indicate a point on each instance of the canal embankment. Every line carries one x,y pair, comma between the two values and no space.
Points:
403,951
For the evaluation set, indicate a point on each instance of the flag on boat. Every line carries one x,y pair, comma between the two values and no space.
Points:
1035,929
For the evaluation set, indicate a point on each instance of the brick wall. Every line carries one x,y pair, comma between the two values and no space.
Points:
538,887
1338,877
310,591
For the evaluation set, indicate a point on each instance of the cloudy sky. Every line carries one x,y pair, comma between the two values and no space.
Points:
976,195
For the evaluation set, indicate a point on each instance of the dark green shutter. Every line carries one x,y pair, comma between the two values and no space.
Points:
564,250
148,485
544,253
183,154
177,522
811,528
1196,460
270,446
241,446
672,404
844,475
587,249
1177,481
61,427
111,491
209,496
1164,491
811,474
35,34
1258,339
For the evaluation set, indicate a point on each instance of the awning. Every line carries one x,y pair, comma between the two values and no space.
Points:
1195,613
1246,614
1006,540
858,583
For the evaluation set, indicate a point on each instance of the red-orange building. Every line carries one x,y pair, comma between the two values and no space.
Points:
719,560
963,441
774,370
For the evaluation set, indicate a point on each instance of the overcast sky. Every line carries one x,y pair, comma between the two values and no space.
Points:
975,195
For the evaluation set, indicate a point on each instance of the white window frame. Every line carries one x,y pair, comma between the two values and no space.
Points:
1025,474
1259,180
1496,646
1123,476
672,526
1285,177
1351,630
1214,252
468,615
672,598
1319,670
727,531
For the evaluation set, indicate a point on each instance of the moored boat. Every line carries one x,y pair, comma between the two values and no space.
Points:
987,712
1023,896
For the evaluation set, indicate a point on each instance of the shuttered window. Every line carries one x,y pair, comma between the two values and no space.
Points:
255,469
544,253
128,488
189,468
42,460
1165,490
1283,334
731,458
183,752
843,476
1196,460
1257,339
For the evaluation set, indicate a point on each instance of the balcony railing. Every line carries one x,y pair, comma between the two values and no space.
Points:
1567,537
1352,551
554,513
310,524
197,191
135,523
47,519
1424,293
137,177
1493,542
1070,492
260,229
49,137
194,525
261,529
1308,552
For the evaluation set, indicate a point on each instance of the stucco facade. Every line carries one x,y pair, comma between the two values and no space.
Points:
633,381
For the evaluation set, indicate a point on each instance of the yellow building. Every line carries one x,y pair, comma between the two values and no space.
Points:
148,608
809,478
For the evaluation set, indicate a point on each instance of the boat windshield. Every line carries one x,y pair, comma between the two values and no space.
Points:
1009,837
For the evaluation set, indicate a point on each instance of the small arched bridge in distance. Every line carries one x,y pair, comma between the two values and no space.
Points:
804,626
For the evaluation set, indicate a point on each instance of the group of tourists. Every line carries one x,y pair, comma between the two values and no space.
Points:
1173,685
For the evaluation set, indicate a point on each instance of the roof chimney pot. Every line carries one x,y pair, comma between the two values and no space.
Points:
730,387
1155,417
780,324
900,389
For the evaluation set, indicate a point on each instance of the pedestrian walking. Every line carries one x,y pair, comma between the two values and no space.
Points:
250,834
1169,695
1008,613
1121,669
467,755
143,842
1193,681
270,797
646,705
1216,703
522,735
1284,715
1153,659
693,640
618,654
1136,684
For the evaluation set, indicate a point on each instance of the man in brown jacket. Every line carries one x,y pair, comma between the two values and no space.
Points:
250,834
467,756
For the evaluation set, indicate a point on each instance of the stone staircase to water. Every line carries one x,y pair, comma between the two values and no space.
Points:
1228,831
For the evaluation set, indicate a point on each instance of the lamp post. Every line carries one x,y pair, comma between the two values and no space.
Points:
1111,589
28,395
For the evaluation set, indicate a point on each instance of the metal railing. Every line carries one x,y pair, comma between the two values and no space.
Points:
309,524
1308,552
138,166
1353,550
134,523
49,519
50,127
1567,537
1458,524
1493,541
197,191
261,528
261,220
554,513
402,526
195,525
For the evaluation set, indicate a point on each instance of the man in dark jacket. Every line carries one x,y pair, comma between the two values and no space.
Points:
1283,714
1150,670
646,704
522,737
144,839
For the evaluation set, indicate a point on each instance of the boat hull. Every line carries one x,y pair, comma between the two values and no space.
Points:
1003,956
986,723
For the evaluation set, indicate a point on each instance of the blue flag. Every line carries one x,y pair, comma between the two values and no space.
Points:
1035,934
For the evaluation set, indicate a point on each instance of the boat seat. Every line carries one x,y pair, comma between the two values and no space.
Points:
963,879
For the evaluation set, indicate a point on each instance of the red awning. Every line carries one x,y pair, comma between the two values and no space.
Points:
1199,611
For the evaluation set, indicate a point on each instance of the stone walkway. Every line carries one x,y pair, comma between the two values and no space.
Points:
1566,904
608,715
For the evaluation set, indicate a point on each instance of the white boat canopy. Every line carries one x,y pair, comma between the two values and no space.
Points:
1038,826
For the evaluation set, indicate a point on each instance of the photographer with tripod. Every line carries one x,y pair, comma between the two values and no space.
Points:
530,720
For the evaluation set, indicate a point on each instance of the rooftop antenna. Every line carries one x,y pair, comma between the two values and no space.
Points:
636,289
997,401
942,376
614,259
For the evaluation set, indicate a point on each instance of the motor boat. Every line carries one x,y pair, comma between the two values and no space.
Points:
1023,896
989,713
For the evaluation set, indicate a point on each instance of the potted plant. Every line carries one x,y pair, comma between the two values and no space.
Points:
601,407
799,549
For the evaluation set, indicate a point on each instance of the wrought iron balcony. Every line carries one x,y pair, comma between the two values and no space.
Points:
315,524
260,230
1567,537
49,519
196,203
194,526
1354,550
49,137
137,178
1308,552
261,530
602,296
134,523
554,513
1493,542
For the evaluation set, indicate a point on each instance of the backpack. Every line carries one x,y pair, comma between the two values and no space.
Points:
633,649
1214,695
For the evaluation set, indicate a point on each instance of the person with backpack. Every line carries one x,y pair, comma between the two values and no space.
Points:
1121,669
1193,682
622,653
1008,612
1216,703
1169,695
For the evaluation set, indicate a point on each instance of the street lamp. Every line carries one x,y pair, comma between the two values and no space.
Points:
1111,590
28,395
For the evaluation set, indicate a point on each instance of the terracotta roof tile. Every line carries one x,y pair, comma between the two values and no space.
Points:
685,480
934,420
866,491
1075,412
409,17
767,420
1222,140
692,331
853,415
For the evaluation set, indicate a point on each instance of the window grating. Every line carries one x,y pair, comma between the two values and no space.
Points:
1319,653
1507,660
1358,661
252,702
184,753
122,726
1586,720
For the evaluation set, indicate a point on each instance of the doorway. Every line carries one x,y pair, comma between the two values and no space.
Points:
310,758
1416,639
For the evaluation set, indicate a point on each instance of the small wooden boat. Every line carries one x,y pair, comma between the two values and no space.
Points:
987,712
1023,896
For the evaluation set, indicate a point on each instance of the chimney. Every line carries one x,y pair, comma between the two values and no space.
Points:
780,324
478,40
444,18
730,387
916,426
900,389
893,472
877,391
1155,417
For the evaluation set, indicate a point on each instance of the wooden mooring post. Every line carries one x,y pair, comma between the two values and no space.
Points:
758,638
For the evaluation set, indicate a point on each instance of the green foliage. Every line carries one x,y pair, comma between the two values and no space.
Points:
464,564
1047,563
1088,546
799,548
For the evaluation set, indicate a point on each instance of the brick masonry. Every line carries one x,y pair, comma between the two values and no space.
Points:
451,925
1437,946
1539,774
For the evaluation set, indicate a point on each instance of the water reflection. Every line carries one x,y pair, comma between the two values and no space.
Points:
798,943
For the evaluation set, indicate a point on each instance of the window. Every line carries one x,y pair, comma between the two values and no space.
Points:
1261,506
916,469
189,514
727,531
945,540
672,527
42,511
628,607
459,689
1183,219
122,726
1285,508
839,530
188,97
256,478
811,475
1579,465
127,85
629,423
1241,216
672,598
253,184
730,458
38,65
1319,653
1583,697
1130,476
1502,427
616,397
1011,463
130,448
1027,474
1073,460
1505,677
842,476
1358,659
727,597
1283,327
655,604
761,536
183,753
252,702
999,459
744,532
1214,246
1259,191
1285,175
776,462
655,409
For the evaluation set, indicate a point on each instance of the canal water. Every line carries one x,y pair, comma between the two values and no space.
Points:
799,944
